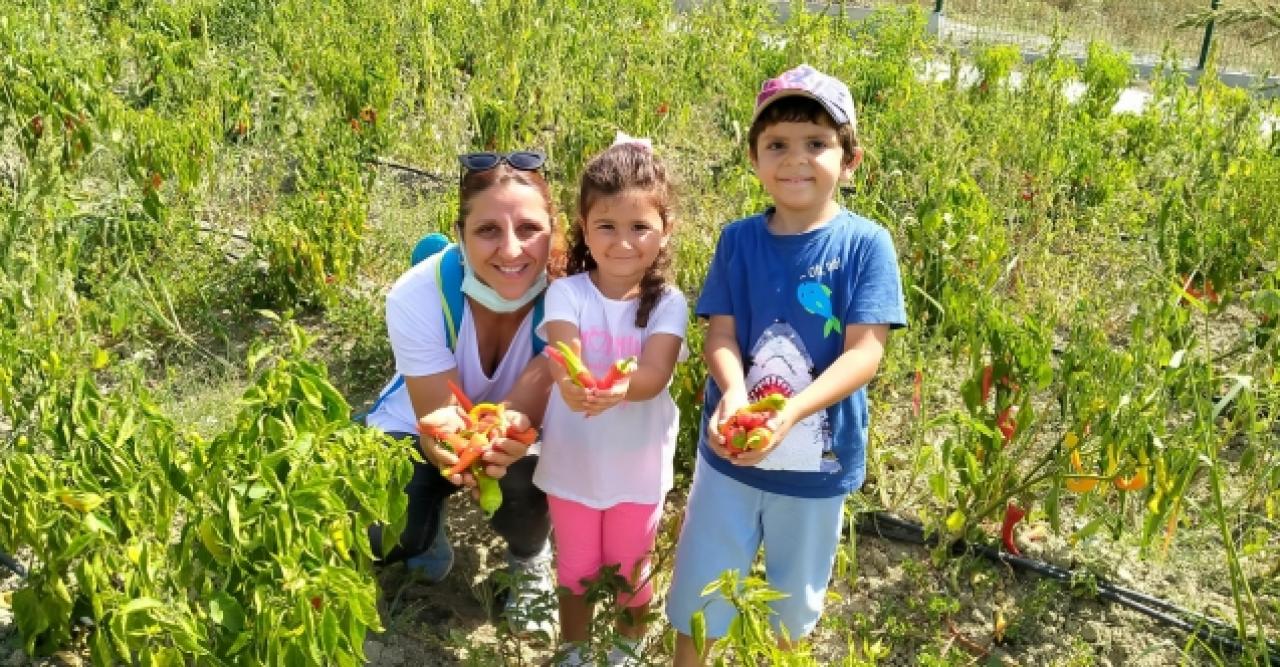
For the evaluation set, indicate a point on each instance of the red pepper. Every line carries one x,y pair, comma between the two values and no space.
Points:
468,453
986,383
1005,422
461,396
527,436
750,420
1012,515
746,429
619,370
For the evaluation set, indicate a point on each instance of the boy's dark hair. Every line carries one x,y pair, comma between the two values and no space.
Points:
798,109
622,167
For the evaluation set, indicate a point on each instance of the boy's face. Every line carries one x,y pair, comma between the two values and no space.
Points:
800,165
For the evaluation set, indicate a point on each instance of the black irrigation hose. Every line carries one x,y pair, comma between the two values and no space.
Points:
417,171
8,561
1208,630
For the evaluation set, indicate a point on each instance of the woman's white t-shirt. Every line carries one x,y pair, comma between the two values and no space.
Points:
625,453
415,323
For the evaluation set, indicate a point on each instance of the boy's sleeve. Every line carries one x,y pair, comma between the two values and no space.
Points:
715,298
558,305
877,291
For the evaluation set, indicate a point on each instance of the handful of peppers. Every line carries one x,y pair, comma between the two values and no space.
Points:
483,424
564,355
746,429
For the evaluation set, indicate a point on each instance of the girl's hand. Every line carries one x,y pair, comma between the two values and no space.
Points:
600,400
574,396
732,401
780,425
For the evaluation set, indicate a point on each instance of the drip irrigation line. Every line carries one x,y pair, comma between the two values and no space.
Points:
1209,630
8,561
431,176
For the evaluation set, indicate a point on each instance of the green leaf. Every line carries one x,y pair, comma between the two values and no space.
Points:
329,631
226,612
233,517
698,626
96,525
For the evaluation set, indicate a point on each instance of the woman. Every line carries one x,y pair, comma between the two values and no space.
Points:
504,230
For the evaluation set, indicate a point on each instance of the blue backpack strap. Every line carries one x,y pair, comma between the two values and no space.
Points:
449,282
429,247
538,309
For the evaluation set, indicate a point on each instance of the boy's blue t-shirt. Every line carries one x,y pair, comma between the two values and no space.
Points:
791,297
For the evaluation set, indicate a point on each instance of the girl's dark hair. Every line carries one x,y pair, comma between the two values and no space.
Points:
622,167
475,182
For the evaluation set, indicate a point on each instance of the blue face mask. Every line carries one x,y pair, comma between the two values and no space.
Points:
489,298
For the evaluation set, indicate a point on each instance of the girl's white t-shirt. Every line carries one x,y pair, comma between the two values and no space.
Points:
625,453
415,324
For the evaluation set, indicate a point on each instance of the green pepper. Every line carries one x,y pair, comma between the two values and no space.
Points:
490,492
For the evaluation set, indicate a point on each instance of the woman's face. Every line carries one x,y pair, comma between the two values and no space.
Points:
507,237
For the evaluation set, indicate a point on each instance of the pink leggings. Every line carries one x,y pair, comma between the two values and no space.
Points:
588,539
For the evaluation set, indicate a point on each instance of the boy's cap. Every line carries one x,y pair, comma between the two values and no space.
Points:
805,81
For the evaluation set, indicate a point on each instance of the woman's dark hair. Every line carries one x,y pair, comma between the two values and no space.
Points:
475,182
623,167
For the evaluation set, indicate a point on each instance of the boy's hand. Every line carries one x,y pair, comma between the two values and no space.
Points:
732,401
780,425
599,400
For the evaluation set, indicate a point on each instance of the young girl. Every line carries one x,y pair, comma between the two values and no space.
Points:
606,463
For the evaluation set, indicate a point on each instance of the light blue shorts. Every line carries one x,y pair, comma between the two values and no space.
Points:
725,524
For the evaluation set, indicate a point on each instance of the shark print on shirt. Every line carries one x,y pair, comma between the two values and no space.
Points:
780,363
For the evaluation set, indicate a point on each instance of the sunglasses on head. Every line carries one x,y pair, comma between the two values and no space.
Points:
522,160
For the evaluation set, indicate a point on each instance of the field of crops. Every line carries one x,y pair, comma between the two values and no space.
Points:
204,201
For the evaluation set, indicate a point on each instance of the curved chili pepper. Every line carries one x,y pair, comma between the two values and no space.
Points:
1135,483
486,417
470,454
1079,484
526,437
461,396
619,370
1005,422
758,437
771,403
569,361
1012,515
490,492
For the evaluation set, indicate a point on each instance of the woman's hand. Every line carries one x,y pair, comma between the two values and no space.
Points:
733,400
451,419
506,451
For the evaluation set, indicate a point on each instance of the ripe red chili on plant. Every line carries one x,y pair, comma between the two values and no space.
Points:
1012,515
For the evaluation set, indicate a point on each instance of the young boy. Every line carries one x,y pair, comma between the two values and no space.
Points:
800,300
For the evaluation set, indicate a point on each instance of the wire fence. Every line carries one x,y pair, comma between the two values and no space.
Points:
1148,29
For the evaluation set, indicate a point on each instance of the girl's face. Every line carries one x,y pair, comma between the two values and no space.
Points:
507,237
624,233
